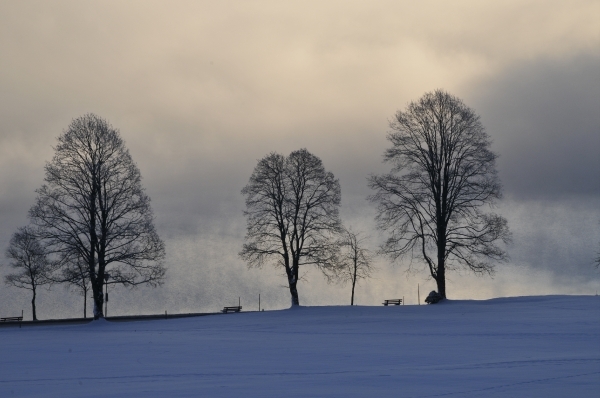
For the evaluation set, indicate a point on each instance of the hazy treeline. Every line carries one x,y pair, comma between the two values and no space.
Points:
92,223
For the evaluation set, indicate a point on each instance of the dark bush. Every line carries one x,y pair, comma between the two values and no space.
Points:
433,297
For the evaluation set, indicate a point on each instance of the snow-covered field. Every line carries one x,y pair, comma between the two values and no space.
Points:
508,347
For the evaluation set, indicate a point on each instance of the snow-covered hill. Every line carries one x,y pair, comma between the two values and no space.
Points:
508,347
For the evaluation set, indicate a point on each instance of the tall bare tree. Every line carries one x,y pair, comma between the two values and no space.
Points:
355,260
292,211
431,202
29,257
93,207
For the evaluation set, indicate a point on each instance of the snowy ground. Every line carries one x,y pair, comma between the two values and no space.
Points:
509,347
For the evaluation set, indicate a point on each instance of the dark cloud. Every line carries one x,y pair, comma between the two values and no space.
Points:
544,117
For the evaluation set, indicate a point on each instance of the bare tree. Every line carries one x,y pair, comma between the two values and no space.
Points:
355,260
292,211
93,207
29,257
75,274
443,173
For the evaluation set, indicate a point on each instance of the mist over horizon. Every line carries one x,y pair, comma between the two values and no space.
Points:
201,91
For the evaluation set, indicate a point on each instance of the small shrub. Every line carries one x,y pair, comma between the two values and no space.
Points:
433,297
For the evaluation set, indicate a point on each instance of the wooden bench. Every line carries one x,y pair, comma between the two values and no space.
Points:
237,308
392,301
11,319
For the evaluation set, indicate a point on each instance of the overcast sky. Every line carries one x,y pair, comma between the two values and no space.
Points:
201,90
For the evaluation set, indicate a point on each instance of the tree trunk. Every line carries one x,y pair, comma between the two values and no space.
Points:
294,293
85,304
95,277
292,274
33,306
98,298
353,283
441,261
441,280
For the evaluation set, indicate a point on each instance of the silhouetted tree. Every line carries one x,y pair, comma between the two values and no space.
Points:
93,207
443,173
29,257
75,274
292,212
355,261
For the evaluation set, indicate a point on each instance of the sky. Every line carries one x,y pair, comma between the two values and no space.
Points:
201,90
